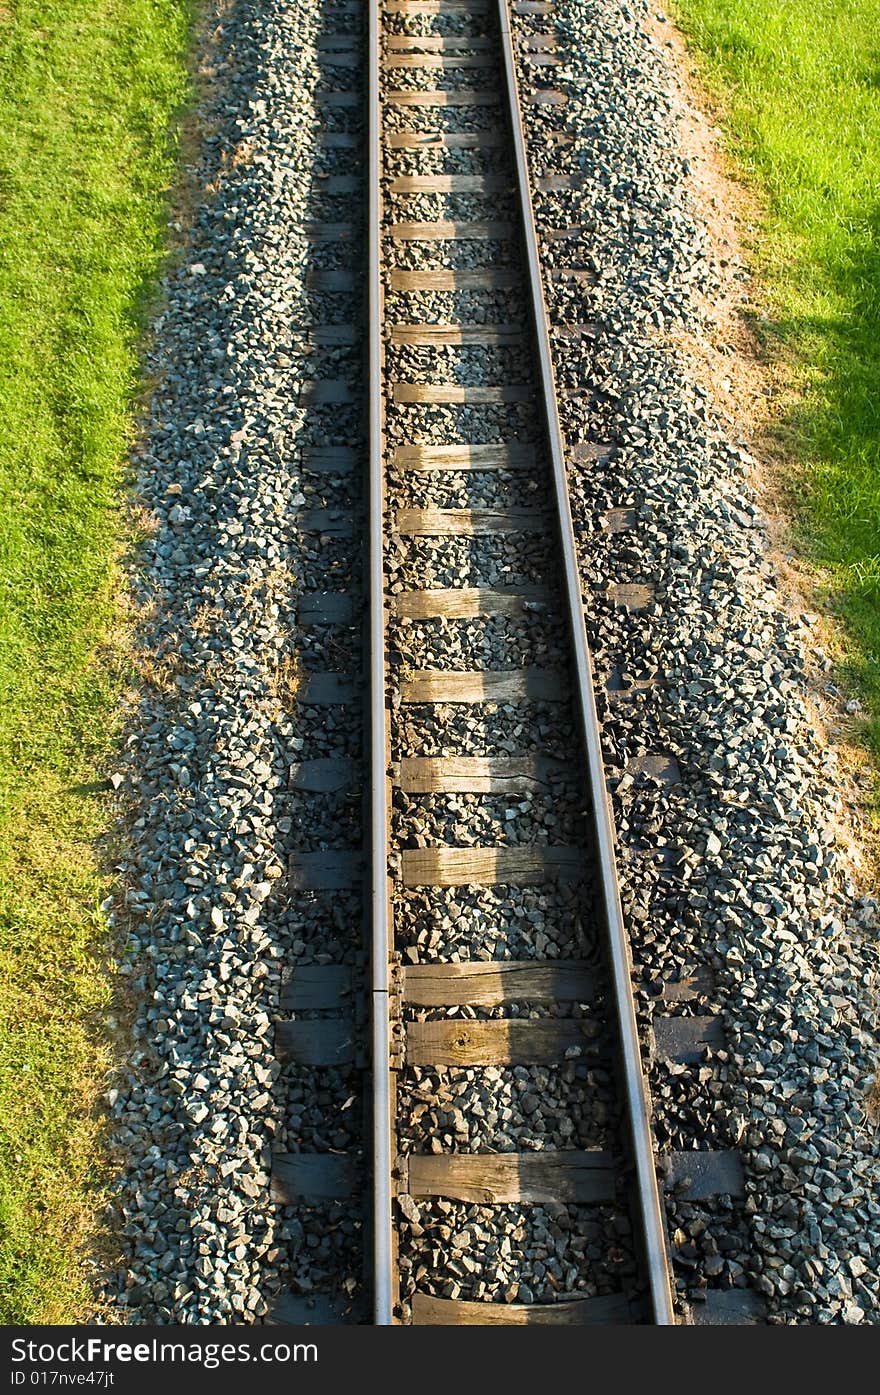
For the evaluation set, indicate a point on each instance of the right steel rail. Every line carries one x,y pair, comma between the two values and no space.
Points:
634,1081
380,908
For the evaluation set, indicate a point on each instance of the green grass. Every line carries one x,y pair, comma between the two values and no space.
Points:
90,92
799,83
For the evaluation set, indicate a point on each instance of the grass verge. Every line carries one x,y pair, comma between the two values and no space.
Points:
89,95
799,86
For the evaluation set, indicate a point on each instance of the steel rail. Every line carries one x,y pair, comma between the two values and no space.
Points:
633,1077
380,909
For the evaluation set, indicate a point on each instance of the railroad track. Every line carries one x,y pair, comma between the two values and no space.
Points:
463,413
507,1174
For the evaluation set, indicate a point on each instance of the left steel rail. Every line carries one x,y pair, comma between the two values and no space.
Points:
380,904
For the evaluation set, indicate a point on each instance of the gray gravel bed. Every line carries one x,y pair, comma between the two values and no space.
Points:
458,307
452,923
326,820
323,731
326,562
330,424
688,1106
489,729
474,561
707,1244
328,208
317,929
434,160
501,1110
323,256
492,642
433,119
338,362
468,364
534,1254
473,820
439,79
758,892
328,648
454,424
323,1108
323,1250
417,255
327,492
448,22
465,489
335,120
456,207
209,819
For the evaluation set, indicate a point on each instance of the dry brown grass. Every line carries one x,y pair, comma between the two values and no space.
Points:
284,682
143,524
205,619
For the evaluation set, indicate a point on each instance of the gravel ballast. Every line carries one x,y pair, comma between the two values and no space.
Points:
753,887
210,813
760,894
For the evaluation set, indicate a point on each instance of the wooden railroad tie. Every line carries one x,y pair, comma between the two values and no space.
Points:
499,1042
477,522
497,1179
470,602
517,866
449,184
465,457
481,774
443,97
481,336
444,230
435,43
492,983
466,279
437,61
450,394
444,140
458,1312
484,685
